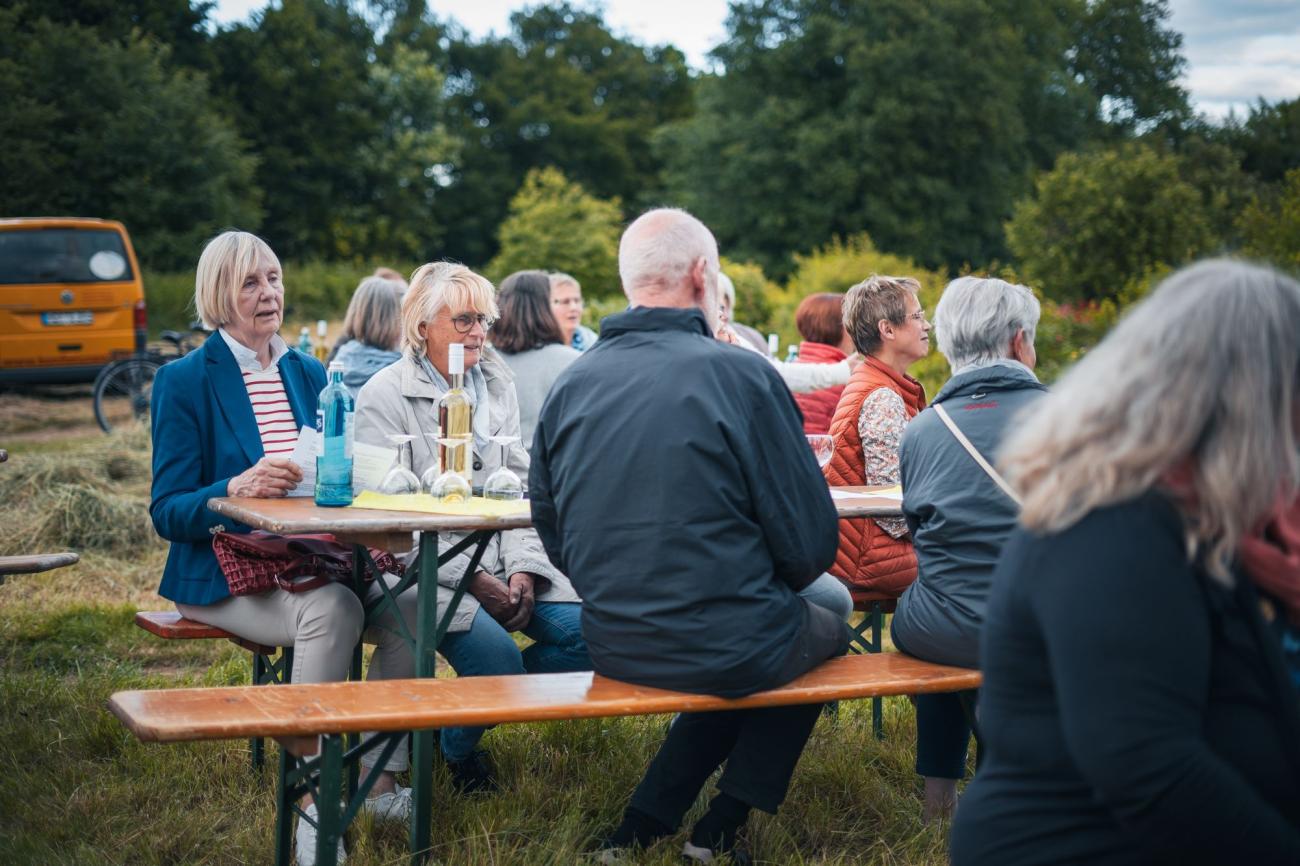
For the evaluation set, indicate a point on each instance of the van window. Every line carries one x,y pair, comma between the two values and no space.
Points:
30,256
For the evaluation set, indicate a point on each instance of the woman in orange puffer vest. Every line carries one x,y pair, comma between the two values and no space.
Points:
820,320
883,317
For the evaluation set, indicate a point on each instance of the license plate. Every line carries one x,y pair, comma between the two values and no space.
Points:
70,317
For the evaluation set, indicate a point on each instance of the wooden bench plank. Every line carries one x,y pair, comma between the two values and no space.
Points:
36,563
171,625
178,715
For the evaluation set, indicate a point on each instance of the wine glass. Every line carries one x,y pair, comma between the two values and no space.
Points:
429,477
823,447
503,483
450,486
400,479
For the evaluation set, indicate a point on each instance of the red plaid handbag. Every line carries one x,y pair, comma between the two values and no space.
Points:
259,561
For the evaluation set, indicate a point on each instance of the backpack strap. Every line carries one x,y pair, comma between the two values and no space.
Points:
974,453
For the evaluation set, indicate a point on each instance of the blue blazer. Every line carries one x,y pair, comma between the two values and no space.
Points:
204,434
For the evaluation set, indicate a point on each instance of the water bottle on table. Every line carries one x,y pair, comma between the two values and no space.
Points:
334,423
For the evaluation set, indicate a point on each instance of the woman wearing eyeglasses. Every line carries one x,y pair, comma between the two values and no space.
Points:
515,587
884,317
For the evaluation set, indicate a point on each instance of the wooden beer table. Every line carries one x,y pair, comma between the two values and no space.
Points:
392,531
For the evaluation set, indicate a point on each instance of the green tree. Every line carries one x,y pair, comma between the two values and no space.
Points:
1268,139
180,24
1098,220
834,118
97,127
1270,226
560,89
555,225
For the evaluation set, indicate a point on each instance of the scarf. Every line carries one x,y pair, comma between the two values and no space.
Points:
476,388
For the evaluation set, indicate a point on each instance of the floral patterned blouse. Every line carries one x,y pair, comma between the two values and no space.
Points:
880,426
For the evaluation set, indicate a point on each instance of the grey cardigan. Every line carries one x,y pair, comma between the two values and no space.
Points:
958,517
535,372
401,399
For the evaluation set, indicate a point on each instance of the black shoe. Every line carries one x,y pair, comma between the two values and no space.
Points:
474,774
637,831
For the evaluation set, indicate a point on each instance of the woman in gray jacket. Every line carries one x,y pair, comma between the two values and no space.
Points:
958,515
515,587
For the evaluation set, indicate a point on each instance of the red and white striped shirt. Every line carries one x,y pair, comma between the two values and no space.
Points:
275,422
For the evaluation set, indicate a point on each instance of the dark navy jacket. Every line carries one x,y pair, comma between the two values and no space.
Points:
204,434
671,481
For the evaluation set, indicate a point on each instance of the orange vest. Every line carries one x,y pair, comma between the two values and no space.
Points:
869,558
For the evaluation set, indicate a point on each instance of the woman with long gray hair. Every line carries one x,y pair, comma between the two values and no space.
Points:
1136,705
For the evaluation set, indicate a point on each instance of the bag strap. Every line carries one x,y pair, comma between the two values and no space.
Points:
974,453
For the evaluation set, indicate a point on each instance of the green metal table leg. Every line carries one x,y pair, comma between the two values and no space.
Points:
329,811
354,737
877,705
424,742
255,744
283,812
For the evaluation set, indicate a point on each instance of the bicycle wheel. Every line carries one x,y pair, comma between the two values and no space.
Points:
123,390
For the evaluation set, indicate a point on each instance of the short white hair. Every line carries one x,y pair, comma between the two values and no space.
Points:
977,317
659,249
225,262
443,284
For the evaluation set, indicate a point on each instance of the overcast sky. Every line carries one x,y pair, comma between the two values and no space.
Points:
1236,50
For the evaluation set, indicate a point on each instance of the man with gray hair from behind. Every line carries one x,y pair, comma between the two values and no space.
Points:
956,507
692,541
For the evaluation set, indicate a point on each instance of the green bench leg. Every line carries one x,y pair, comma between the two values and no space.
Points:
877,704
268,670
329,811
424,743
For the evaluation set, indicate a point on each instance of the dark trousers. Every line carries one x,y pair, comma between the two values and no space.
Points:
942,735
760,746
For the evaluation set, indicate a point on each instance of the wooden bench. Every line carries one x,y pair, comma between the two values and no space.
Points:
293,712
267,668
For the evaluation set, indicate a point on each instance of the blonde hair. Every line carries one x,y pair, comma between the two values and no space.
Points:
226,261
871,300
373,314
1201,374
559,278
438,285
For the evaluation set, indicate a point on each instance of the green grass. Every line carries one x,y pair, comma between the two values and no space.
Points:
77,788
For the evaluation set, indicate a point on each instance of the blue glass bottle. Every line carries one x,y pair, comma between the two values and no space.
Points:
334,423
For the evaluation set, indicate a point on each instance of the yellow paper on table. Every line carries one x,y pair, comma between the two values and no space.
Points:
426,504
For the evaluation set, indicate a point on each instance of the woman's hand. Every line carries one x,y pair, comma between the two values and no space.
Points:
268,478
521,594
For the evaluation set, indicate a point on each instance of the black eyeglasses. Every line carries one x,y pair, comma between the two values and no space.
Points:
465,322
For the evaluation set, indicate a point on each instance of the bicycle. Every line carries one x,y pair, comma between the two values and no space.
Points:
124,389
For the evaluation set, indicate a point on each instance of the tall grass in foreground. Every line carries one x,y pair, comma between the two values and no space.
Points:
77,788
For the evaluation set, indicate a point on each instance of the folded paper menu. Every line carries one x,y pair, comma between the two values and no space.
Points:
370,463
426,504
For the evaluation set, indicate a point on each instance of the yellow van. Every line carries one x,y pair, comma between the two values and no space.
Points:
71,298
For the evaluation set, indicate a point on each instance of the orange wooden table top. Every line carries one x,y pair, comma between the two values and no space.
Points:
301,514
176,715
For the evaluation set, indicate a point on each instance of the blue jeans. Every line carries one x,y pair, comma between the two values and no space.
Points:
487,649
829,592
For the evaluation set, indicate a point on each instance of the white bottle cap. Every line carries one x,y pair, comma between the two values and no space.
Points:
773,344
337,367
304,329
322,327
456,359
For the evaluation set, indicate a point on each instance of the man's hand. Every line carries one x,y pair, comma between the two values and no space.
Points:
521,594
268,478
494,595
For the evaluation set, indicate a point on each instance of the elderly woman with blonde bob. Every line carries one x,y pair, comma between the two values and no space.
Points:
1137,705
225,419
371,331
515,587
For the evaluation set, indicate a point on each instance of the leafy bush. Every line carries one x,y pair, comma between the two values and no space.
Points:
554,225
1270,225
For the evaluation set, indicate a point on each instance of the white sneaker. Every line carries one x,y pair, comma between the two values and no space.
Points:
305,836
393,806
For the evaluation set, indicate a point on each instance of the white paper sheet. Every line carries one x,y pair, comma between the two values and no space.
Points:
896,496
370,463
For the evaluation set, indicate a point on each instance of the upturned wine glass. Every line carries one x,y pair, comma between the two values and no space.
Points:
400,479
450,486
823,447
504,483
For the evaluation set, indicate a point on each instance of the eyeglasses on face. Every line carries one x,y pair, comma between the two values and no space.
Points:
465,322
566,302
918,316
